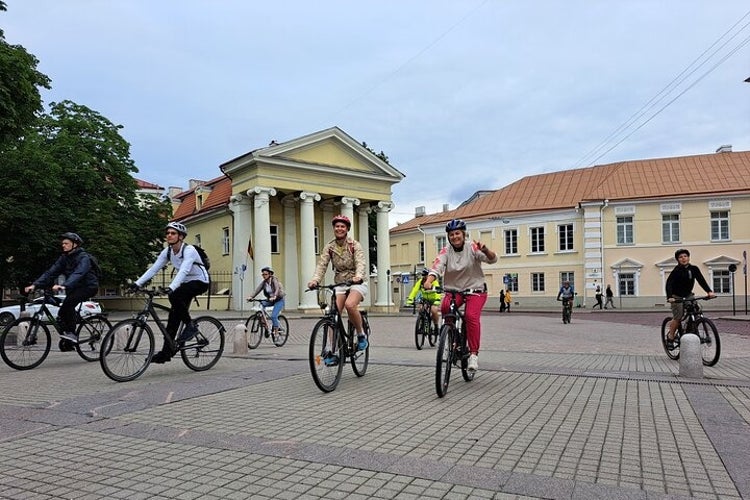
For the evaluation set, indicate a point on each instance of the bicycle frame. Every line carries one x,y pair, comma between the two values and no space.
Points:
149,312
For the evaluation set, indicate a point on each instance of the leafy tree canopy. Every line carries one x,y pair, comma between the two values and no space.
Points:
73,172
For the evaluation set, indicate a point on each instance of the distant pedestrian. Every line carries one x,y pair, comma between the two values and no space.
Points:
598,298
508,300
610,297
502,300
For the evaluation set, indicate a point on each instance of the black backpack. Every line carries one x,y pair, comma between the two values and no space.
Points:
206,264
95,267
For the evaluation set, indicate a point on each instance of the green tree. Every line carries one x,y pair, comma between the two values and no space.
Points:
73,172
20,100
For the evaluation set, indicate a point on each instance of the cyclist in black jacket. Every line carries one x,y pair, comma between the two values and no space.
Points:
680,285
81,281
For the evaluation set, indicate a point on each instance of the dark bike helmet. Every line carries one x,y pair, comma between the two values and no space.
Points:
455,224
680,252
180,228
342,218
425,271
72,237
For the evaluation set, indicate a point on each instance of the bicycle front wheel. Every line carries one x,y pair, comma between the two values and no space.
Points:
710,343
282,334
91,331
25,343
443,360
360,359
674,353
325,356
419,331
126,350
205,349
254,327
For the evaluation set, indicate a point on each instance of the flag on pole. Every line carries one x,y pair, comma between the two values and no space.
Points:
250,248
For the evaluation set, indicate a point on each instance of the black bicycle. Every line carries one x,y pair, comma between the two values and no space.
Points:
331,345
25,343
259,325
424,327
452,347
129,346
693,321
567,309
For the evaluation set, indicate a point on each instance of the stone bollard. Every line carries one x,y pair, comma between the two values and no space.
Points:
240,339
691,362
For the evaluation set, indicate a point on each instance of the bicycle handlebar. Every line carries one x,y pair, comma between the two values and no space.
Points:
691,299
331,287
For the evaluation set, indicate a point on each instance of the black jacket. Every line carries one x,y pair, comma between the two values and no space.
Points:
77,268
682,279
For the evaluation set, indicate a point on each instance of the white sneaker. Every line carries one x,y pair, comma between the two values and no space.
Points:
473,364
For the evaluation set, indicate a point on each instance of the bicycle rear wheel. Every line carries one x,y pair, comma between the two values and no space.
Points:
443,360
205,349
281,336
325,370
126,350
465,372
433,335
91,330
25,343
420,328
710,343
360,359
674,353
254,327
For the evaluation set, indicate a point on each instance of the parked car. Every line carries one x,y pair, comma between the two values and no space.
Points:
9,314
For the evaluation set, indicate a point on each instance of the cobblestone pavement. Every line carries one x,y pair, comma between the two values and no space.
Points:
593,409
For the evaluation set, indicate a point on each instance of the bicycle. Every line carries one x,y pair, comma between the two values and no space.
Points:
25,343
331,345
452,347
129,346
423,327
567,309
693,321
259,325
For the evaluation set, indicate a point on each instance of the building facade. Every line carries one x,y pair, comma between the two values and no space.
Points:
617,224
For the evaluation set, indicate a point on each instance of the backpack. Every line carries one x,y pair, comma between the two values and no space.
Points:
205,260
95,267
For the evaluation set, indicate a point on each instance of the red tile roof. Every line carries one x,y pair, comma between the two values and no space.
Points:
221,190
717,173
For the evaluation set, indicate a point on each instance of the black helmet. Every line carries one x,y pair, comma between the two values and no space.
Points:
425,271
680,252
72,237
455,224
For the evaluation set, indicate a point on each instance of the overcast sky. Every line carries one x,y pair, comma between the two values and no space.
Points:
461,95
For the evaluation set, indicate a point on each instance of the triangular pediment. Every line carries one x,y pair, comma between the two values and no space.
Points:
626,264
721,261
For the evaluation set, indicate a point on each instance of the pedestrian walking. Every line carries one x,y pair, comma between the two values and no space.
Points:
610,298
502,300
598,298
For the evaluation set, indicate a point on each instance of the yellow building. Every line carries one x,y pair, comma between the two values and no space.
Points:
617,224
273,206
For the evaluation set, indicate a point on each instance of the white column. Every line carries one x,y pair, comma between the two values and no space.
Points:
347,208
364,240
239,204
307,257
261,228
384,254
327,208
291,277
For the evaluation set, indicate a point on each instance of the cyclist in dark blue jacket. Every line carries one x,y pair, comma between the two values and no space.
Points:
81,281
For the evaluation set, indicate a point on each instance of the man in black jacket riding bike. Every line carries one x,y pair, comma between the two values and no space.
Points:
680,285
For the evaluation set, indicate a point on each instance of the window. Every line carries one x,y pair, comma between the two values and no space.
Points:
565,233
316,235
625,230
225,240
197,240
274,238
720,226
627,284
722,282
567,276
511,242
441,242
670,228
512,284
421,251
537,282
537,239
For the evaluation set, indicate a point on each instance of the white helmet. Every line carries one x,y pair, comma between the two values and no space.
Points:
180,228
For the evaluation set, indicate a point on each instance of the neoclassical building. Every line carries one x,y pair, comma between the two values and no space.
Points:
273,206
617,224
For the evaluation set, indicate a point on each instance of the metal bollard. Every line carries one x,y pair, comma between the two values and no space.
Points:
240,339
691,363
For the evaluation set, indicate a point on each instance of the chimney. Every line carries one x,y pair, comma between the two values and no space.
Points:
419,212
445,207
724,148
